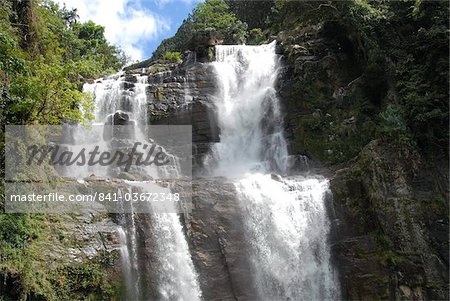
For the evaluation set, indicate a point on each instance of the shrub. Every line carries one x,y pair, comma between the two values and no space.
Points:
392,124
172,56
256,37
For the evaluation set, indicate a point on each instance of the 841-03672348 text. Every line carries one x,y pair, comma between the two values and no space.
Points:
118,196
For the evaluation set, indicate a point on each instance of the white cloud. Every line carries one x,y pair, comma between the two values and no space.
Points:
162,3
128,24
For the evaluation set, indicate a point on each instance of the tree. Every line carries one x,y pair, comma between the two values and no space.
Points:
41,83
211,14
216,14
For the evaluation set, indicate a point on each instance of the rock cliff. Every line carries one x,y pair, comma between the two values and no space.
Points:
390,215
181,94
390,206
390,236
390,229
218,245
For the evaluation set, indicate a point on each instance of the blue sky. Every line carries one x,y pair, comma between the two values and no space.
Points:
136,26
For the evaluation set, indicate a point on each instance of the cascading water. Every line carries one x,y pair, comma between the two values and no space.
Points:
287,228
285,219
176,274
172,266
249,116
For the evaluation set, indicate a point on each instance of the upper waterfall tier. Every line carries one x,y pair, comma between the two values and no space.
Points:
248,112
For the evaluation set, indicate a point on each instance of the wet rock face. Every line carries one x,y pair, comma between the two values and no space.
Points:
182,95
121,118
322,90
390,231
390,237
83,240
219,249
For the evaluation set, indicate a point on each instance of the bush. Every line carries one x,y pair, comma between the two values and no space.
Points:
256,37
393,124
392,119
172,56
208,14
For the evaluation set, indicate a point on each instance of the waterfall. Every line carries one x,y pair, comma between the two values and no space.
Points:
187,92
249,116
171,269
285,219
287,227
176,274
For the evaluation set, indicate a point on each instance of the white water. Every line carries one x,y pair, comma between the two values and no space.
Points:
249,116
139,103
285,221
175,273
129,274
287,226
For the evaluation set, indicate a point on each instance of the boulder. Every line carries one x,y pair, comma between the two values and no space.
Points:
119,126
206,38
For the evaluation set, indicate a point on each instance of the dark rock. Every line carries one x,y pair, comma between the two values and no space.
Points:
203,43
216,235
276,177
206,38
119,118
130,78
183,97
383,241
119,126
128,86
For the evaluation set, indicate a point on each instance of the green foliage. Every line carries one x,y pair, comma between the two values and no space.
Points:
436,204
386,251
17,231
392,63
211,14
45,56
40,83
26,246
216,14
413,36
48,96
254,13
172,56
256,37
392,124
179,42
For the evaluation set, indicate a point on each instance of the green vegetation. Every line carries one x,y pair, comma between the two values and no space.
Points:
387,78
361,70
45,57
33,258
256,14
172,56
392,124
386,251
208,15
216,14
256,37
